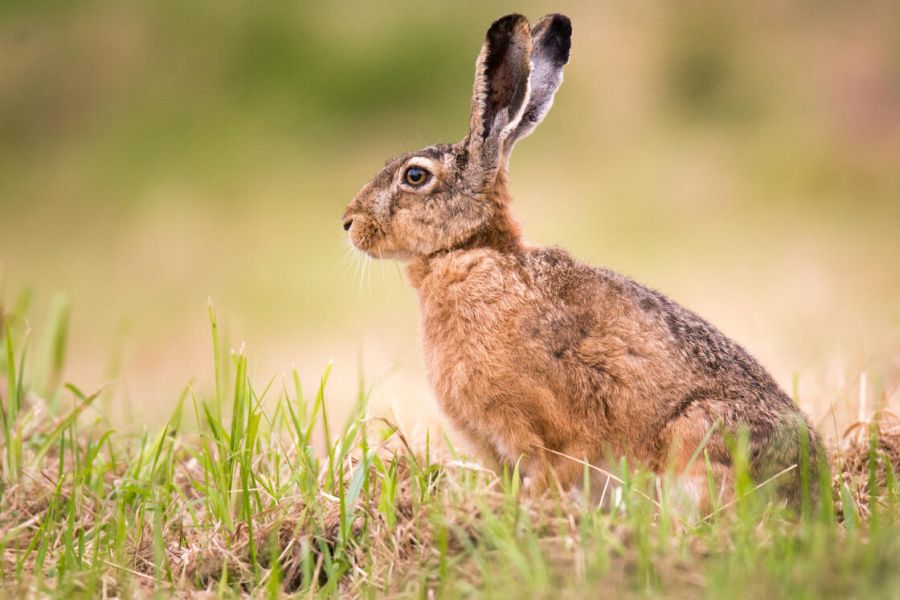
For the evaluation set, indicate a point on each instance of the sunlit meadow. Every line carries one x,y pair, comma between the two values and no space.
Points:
176,289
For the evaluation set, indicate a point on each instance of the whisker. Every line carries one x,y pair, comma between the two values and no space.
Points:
360,269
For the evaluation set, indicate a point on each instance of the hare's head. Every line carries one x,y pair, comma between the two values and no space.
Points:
453,196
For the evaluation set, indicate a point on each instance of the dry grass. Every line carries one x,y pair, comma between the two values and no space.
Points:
391,555
866,461
245,498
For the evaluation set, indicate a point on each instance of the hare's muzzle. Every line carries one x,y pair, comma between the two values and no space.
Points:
347,223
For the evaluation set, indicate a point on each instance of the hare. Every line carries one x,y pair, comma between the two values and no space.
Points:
534,355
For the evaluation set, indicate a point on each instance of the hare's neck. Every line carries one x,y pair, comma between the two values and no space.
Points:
501,236
432,275
502,233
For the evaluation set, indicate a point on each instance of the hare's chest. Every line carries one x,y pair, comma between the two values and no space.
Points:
471,324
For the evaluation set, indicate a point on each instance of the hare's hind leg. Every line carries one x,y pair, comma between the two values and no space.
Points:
694,454
702,488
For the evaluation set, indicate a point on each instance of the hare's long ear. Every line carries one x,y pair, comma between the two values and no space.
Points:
551,41
500,93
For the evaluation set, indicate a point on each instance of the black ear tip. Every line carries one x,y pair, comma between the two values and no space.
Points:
555,33
561,24
560,27
506,25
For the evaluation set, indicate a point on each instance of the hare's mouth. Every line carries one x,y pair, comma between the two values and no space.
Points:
369,239
364,235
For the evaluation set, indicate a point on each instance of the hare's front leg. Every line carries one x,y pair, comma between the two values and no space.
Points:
516,437
505,432
561,469
516,444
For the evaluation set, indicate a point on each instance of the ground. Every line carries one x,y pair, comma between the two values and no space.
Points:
240,495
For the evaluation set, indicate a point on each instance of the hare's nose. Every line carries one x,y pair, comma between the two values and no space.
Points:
347,224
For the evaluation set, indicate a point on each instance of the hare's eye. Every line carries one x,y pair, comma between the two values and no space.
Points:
416,176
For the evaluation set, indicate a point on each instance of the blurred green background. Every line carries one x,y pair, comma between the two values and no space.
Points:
744,158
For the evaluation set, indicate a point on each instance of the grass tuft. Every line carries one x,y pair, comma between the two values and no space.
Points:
252,491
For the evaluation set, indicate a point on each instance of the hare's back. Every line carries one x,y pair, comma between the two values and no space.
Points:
671,339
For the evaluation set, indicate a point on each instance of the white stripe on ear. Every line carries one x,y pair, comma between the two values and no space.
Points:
501,90
513,125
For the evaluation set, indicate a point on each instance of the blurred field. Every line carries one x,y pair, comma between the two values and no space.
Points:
743,158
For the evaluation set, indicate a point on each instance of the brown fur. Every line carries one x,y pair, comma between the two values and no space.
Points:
529,349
